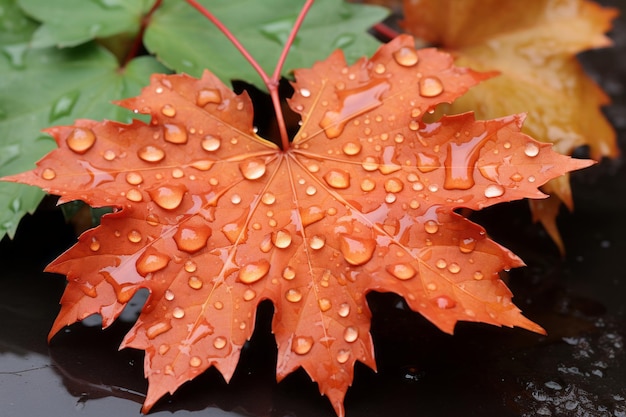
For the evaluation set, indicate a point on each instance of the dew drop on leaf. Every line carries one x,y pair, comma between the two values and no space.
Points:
150,153
350,334
208,95
531,149
134,236
252,169
478,275
94,246
219,342
168,110
356,250
406,56
401,271
175,134
268,198
134,178
169,295
193,235
343,355
211,143
158,328
80,140
430,86
367,185
337,178
178,313
151,261
289,273
324,304
317,242
168,197
305,92
311,215
393,185
444,302
195,362
281,239
254,271
467,245
293,295
454,268
249,294
302,345
431,226
194,282
441,263
344,310
494,190
48,174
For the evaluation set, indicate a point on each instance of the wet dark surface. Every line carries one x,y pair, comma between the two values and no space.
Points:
579,369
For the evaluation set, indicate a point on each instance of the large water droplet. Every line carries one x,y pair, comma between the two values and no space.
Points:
293,295
134,178
208,95
281,238
368,185
302,345
311,215
337,178
352,103
211,143
289,273
344,310
168,197
406,56
134,236
431,226
193,235
175,134
94,246
219,342
401,271
195,282
168,110
63,106
151,153
158,328
252,169
80,140
350,334
461,161
254,271
317,242
531,149
351,148
494,190
427,163
151,261
324,304
356,250
393,185
178,313
430,86
343,355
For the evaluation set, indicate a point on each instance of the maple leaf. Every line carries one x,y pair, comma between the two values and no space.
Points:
213,219
533,46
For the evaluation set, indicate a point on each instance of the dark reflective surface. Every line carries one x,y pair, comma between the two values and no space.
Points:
579,369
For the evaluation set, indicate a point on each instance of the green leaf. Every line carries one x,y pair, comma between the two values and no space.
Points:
187,42
47,87
15,26
73,22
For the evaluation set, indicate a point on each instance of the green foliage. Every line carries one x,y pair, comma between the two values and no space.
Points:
67,59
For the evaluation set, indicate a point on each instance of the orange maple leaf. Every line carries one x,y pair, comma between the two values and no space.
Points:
213,219
533,45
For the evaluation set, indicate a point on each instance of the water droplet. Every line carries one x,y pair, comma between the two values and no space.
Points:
249,294
430,86
370,163
219,342
134,236
195,362
151,153
254,271
289,273
467,245
168,110
302,345
218,305
208,95
311,215
379,68
175,134
311,190
134,178
414,125
168,197
344,310
152,219
531,149
80,140
401,271
517,177
164,348
109,155
350,334
305,92
15,54
317,242
441,263
169,295
48,174
195,282
393,185
343,355
293,295
356,250
252,169
454,268
192,235
352,103
324,304
158,328
478,275
211,143
431,226
494,190
178,313
281,238
351,148
337,178
151,261
235,199
390,198
406,56
63,106
94,245
444,302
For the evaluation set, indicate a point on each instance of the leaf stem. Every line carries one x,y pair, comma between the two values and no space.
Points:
137,42
291,39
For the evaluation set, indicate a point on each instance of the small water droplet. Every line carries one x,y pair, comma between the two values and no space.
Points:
94,245
175,134
218,305
208,95
169,295
281,238
293,295
48,174
252,169
151,153
249,294
311,215
151,261
494,190
192,235
431,227
444,302
344,310
63,106
337,178
80,140
402,271
454,268
317,242
235,199
168,197
441,263
343,355
152,219
109,155
414,125
370,163
430,86
406,56
478,275
254,271
195,361
164,348
324,304
219,342
367,185
305,92
211,143
350,334
531,149
168,110
302,345
356,250
351,148
467,245
158,328
310,190
393,185
134,236
517,177
178,313
289,273
379,68
134,178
